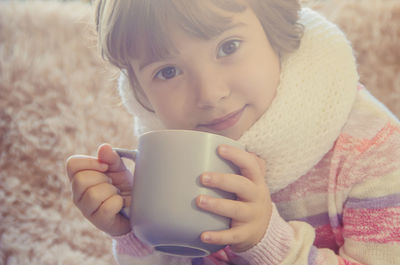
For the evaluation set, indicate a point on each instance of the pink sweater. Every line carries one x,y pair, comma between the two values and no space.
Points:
345,210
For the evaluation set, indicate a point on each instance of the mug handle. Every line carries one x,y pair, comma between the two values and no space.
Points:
130,154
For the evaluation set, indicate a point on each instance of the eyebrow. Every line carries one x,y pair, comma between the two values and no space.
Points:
150,61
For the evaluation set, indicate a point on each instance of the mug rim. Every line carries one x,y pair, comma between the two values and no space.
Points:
185,131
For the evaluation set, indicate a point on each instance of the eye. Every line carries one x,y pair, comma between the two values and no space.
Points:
167,73
228,48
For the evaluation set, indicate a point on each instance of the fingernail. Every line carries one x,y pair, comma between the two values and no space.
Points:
103,166
202,200
206,237
222,149
206,178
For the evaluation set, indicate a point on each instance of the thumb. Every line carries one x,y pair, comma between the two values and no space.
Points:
107,155
121,177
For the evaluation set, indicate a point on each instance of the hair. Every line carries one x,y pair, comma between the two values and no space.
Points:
132,29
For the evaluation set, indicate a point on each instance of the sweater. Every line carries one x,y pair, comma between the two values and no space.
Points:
335,181
345,210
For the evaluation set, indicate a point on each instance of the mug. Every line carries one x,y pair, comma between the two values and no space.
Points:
163,212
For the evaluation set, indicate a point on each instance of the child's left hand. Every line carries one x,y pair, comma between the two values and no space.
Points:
250,213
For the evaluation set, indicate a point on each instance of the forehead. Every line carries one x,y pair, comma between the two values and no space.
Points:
149,26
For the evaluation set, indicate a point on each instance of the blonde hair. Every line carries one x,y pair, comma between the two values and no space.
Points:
131,29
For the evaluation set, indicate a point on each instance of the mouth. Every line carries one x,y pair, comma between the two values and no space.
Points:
224,122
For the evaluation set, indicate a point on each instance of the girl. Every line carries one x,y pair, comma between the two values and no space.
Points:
320,183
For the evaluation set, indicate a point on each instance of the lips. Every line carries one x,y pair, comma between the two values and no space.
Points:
224,122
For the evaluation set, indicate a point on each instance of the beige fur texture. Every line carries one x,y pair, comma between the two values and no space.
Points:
58,98
373,27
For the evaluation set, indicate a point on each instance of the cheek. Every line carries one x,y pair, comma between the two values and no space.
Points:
267,78
259,87
170,109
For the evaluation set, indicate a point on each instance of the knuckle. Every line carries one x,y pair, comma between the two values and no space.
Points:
247,182
77,163
213,202
91,194
106,208
80,177
217,179
236,237
79,181
236,210
225,179
114,205
109,208
70,160
256,158
77,187
262,164
253,155
69,164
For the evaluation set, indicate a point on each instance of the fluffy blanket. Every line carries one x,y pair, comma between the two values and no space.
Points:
58,98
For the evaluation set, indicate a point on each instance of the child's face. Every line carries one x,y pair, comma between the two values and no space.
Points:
222,85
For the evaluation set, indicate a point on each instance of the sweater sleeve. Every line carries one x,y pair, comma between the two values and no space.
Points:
370,233
129,250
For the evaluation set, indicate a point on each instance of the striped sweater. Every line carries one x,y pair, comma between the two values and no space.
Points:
345,210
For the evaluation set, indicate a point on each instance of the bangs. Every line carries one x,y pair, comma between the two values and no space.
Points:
141,28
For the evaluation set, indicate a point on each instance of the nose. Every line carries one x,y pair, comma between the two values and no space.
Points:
210,88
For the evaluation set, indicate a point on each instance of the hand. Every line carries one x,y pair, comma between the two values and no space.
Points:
250,213
101,187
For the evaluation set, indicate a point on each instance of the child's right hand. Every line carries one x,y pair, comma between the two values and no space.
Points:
101,187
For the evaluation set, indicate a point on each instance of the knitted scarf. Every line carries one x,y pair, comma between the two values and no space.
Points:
314,98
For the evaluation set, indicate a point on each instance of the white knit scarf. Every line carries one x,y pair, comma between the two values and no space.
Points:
314,98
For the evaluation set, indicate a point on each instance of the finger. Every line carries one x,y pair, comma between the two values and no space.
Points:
84,180
120,175
108,212
236,210
261,163
94,197
245,161
107,155
239,185
230,236
78,163
122,180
